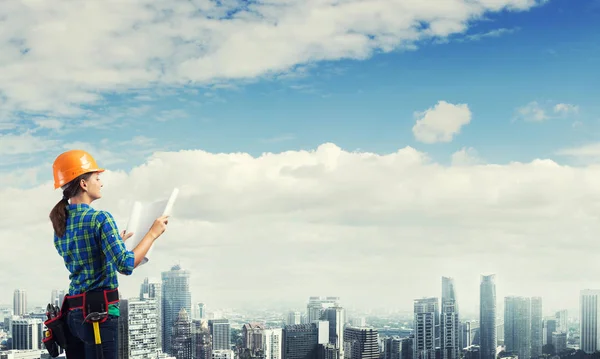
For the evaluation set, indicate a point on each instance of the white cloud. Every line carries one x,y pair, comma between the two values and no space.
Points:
532,112
441,123
280,138
536,112
492,33
309,220
48,123
26,143
566,108
57,56
465,157
171,115
588,153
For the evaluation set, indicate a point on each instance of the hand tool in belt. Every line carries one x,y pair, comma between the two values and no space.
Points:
95,311
95,319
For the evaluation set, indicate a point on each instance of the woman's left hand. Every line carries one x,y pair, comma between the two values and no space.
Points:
126,236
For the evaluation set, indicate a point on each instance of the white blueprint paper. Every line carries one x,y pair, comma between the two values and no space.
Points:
143,216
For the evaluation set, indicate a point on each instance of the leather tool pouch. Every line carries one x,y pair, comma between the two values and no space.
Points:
56,335
50,343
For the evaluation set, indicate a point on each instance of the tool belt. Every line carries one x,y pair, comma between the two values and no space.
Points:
95,301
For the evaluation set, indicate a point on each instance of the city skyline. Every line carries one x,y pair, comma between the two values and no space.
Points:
299,304
320,148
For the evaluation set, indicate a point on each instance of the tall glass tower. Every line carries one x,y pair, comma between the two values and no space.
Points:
487,317
176,295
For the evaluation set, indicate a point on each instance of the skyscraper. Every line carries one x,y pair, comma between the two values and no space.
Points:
153,290
562,321
549,328
449,321
487,317
26,334
316,305
589,320
20,302
336,318
181,342
252,337
273,340
537,327
361,343
141,334
201,310
293,318
426,314
300,341
175,296
201,340
517,326
220,331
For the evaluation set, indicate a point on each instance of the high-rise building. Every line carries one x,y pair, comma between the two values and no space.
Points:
294,318
27,334
449,321
20,302
549,328
201,340
361,343
316,305
392,347
201,310
57,297
273,343
221,333
181,343
469,333
142,324
559,340
300,341
155,292
336,317
537,327
589,320
517,326
426,317
487,317
562,321
123,329
176,295
252,337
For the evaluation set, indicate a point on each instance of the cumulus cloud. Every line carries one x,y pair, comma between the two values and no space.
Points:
283,226
61,55
466,156
441,122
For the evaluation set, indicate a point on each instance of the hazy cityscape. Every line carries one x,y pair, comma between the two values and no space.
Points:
162,322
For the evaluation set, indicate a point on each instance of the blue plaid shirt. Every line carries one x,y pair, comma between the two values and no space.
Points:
93,250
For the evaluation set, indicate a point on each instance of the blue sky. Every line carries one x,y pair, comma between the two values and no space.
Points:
547,54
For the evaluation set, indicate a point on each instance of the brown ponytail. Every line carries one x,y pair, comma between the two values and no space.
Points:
59,214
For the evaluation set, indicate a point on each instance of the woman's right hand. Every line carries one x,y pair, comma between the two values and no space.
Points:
159,226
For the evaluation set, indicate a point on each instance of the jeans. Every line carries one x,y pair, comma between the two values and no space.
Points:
81,343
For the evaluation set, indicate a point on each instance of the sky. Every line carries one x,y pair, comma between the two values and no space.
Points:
356,148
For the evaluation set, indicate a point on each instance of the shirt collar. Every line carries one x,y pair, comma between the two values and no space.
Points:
78,206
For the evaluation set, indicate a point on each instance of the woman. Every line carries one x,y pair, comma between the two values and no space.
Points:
93,252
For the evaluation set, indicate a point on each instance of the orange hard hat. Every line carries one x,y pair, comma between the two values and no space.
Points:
71,164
